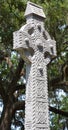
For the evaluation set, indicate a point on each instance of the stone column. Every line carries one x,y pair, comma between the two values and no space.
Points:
37,49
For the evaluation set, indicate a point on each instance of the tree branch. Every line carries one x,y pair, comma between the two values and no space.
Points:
18,87
16,77
20,105
58,83
2,92
57,111
62,85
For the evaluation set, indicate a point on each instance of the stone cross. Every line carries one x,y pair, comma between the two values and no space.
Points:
37,49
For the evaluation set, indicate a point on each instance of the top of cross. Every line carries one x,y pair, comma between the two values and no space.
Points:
32,36
34,9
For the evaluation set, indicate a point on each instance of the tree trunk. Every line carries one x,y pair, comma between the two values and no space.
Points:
6,118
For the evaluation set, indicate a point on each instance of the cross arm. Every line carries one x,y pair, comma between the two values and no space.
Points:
23,41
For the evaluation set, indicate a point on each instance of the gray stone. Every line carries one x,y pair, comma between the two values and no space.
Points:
37,49
33,9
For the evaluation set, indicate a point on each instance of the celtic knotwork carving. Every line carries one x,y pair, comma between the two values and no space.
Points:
36,48
34,36
41,119
41,90
41,106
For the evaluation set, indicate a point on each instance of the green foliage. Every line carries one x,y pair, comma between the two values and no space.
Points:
11,19
64,105
59,101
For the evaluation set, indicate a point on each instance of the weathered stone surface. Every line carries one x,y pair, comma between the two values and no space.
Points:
36,48
33,9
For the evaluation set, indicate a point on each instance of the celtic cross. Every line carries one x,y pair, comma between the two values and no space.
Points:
37,49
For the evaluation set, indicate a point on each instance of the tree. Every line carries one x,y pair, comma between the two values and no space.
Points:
12,67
